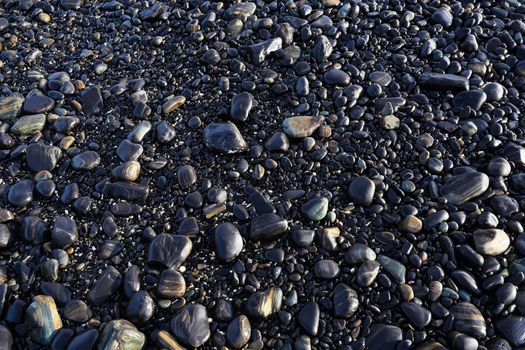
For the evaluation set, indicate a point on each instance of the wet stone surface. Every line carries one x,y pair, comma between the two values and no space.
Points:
313,174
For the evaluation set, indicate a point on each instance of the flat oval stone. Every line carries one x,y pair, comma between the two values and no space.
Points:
301,126
361,190
171,284
121,334
128,190
241,106
262,304
381,78
326,269
228,242
66,124
128,150
393,267
42,157
186,175
86,340
309,318
367,273
491,241
336,77
345,301
278,142
267,226
499,166
383,337
191,325
224,137
141,307
418,316
315,209
169,251
238,332
359,253
469,320
472,98
37,103
461,188
513,328
64,232
86,160
77,311
44,319
21,193
105,287
29,124
128,171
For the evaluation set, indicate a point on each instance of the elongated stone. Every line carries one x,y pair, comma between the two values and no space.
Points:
309,318
443,81
105,286
44,319
241,106
393,267
345,301
128,190
167,341
259,51
228,242
461,188
238,332
191,325
29,124
301,126
86,160
262,304
120,335
267,226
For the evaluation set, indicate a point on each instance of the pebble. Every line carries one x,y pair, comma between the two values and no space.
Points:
264,303
21,193
191,326
383,337
241,106
228,242
169,251
121,334
29,124
43,318
86,160
238,332
418,316
105,286
472,98
461,188
267,227
171,284
491,241
345,301
469,320
36,103
10,107
42,157
326,269
301,126
64,232
361,190
308,318
224,137
315,209
141,307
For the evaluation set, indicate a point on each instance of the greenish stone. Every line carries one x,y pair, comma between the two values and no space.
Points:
315,209
29,124
393,267
10,107
121,334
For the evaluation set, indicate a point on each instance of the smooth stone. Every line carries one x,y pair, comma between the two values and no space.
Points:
443,17
513,329
128,171
494,91
241,106
169,251
128,150
491,241
105,287
191,326
92,101
186,175
367,273
42,157
86,160
71,5
171,284
10,107
278,142
326,269
443,81
29,124
499,166
6,338
322,49
472,98
131,283
361,190
469,320
84,341
301,126
336,77
43,317
315,209
166,341
393,267
173,103
165,133
228,242
60,293
345,301
128,190
64,232
303,238
141,307
389,122
258,52
383,337
309,318
359,253
189,227
462,341
121,334
461,188
381,78
238,332
242,9
262,304
504,206
139,131
224,137
77,311
21,193
410,224
36,103
418,316
466,280
267,227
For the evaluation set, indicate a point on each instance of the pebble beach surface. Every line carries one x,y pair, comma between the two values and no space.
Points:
309,174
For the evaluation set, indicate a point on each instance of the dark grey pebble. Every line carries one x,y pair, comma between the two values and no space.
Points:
238,332
42,157
169,250
361,190
105,287
241,106
308,318
21,193
228,242
191,326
